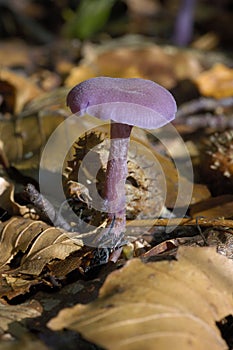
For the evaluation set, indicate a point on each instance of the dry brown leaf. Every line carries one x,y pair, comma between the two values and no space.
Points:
11,287
200,192
12,313
15,53
216,82
8,203
25,136
143,7
166,66
39,242
158,305
214,207
27,343
25,89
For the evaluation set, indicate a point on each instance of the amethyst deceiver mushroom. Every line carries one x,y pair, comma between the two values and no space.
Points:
127,103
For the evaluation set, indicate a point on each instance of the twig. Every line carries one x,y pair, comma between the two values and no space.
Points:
201,113
205,120
203,104
206,222
45,208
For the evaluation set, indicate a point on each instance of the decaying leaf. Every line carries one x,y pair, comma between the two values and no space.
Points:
15,53
8,203
24,137
158,305
25,90
12,313
216,82
13,286
38,242
166,66
33,253
27,343
214,207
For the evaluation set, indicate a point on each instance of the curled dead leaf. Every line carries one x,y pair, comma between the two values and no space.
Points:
213,207
216,82
37,242
159,303
25,90
15,53
8,203
165,65
12,313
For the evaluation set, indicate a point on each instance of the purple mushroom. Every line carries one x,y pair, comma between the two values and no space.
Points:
127,103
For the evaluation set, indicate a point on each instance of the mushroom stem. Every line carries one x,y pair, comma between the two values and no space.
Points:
116,174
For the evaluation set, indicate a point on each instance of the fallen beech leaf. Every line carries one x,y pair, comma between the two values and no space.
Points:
11,287
12,313
15,53
164,65
8,203
162,247
216,82
39,242
143,8
158,305
27,343
25,90
206,42
214,207
23,137
200,192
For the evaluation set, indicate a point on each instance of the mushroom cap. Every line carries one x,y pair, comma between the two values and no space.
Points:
132,101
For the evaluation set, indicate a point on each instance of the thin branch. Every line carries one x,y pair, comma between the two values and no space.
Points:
205,222
201,113
45,208
202,104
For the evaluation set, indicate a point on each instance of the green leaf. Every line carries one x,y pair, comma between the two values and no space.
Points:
89,18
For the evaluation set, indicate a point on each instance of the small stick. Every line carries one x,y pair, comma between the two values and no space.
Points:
205,120
45,208
206,222
201,113
202,104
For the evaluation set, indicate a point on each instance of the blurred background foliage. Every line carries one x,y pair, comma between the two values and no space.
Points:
41,21
88,18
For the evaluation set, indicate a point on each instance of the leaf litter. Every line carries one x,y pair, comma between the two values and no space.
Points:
37,257
153,305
